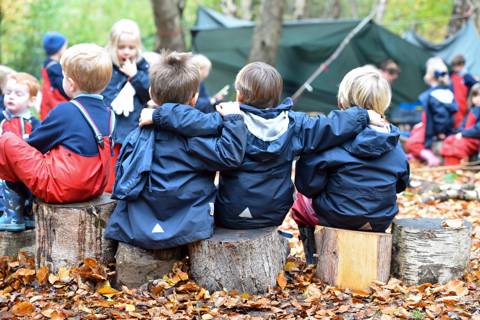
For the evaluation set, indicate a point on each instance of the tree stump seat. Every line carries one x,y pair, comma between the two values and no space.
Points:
66,234
245,260
136,266
11,243
429,250
352,259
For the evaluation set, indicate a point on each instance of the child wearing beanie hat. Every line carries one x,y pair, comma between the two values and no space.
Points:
54,45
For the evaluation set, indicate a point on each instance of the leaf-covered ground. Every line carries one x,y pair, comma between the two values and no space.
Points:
85,292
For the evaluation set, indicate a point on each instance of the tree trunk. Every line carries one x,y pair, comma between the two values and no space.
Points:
381,6
299,12
66,234
354,8
352,259
428,251
244,260
460,12
332,9
246,8
11,243
168,21
229,7
267,32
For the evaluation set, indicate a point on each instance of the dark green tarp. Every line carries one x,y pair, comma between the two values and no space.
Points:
304,45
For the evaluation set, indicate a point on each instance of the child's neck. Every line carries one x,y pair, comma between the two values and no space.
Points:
55,57
19,113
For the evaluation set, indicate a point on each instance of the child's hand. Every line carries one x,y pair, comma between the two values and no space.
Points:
227,108
129,68
376,119
146,117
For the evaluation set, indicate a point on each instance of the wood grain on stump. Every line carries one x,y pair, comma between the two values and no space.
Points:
352,259
136,266
68,233
428,251
11,243
244,260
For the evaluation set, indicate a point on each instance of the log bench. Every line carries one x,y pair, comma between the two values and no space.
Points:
11,243
67,233
352,259
245,260
430,250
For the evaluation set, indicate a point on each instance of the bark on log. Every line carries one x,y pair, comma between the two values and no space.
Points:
11,243
469,195
66,234
352,259
425,251
245,260
136,266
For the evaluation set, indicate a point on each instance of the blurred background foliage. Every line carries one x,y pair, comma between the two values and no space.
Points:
23,22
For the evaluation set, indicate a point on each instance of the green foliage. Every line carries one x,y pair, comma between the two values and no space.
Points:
417,315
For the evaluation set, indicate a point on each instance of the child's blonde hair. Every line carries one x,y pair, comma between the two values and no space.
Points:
201,61
437,71
4,73
474,91
89,65
27,79
124,26
365,87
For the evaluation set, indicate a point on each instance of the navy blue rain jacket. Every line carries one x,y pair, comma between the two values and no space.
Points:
260,192
356,181
140,82
440,106
165,184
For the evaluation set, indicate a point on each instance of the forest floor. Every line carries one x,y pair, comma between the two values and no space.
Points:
85,292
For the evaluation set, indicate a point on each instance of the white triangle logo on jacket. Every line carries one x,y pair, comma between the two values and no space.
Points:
246,214
157,229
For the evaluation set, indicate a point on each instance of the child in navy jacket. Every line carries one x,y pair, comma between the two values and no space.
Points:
20,93
165,182
260,192
67,158
205,102
439,109
466,143
127,92
53,94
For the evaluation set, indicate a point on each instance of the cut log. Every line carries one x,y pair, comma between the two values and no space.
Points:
429,250
66,234
245,260
11,243
136,266
352,259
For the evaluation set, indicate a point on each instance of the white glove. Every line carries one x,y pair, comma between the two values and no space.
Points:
123,102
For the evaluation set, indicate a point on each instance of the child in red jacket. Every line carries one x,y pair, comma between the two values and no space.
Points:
20,93
67,158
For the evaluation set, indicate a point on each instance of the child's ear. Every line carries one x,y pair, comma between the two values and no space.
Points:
238,97
31,101
193,100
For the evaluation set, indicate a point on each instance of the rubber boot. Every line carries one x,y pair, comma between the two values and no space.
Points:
427,155
28,216
308,240
12,218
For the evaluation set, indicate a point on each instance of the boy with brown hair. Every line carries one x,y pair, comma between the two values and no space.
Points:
66,159
260,192
165,182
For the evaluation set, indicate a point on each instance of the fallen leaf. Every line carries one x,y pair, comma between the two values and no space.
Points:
42,275
23,309
281,280
452,223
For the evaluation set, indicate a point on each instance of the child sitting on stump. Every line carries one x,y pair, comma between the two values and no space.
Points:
260,192
165,182
20,94
67,158
354,185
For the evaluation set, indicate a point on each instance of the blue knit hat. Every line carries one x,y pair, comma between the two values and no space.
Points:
52,42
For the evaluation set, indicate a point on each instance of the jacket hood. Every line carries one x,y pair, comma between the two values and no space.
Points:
373,142
267,125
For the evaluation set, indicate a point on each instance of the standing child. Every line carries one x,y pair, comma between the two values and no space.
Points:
439,109
53,94
67,158
165,181
20,93
462,82
127,92
259,193
354,185
466,143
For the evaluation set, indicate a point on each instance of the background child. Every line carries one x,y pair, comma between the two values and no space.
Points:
127,92
354,186
466,143
259,193
205,103
462,82
54,45
439,107
67,158
4,72
20,93
165,181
